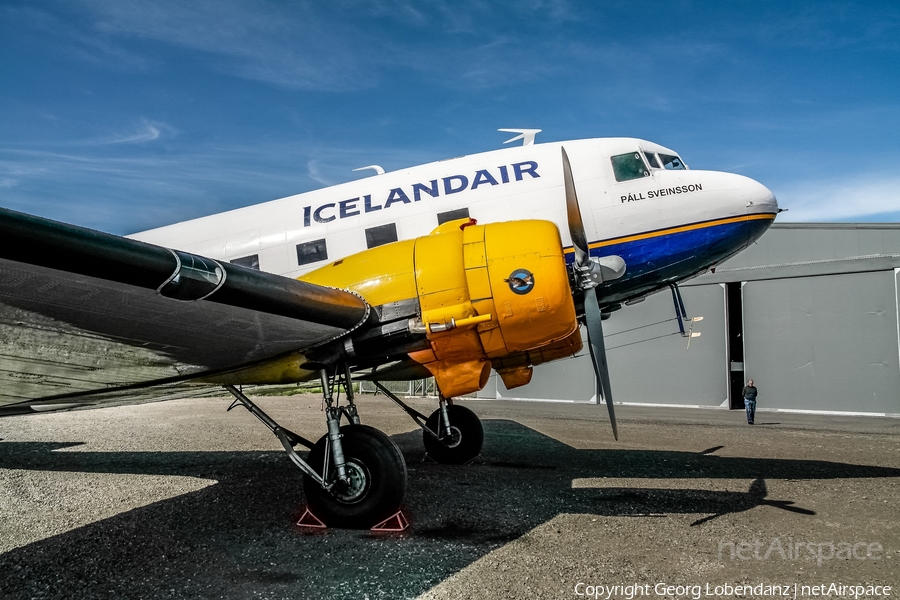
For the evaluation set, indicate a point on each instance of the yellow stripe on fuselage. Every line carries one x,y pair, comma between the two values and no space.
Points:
679,229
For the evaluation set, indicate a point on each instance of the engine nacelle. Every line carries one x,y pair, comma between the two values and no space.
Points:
486,293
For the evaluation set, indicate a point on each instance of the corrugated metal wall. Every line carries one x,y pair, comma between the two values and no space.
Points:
820,330
824,343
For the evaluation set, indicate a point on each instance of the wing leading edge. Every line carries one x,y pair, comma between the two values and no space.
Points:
86,315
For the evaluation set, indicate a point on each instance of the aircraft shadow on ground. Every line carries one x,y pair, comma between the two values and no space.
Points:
236,538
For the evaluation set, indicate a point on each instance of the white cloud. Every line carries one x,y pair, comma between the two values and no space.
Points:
290,46
856,199
145,132
314,172
351,44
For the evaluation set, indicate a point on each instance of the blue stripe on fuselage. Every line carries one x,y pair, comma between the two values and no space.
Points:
655,261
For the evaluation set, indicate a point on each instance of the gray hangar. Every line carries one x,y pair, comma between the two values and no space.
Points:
809,312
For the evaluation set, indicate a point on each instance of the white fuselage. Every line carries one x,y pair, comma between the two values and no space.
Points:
523,182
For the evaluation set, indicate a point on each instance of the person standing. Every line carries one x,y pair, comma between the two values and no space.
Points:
750,392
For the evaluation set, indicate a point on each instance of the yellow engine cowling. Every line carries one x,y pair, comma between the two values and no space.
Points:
485,292
516,369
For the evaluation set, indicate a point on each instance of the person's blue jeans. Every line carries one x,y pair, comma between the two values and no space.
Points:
750,405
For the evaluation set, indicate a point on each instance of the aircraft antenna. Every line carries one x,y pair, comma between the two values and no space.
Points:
526,135
378,170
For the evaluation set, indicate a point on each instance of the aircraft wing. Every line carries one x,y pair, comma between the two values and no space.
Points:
88,317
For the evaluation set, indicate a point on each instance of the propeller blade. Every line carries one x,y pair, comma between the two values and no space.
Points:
592,316
597,347
573,216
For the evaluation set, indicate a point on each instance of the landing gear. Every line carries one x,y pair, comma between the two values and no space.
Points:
354,476
457,443
360,474
374,484
453,434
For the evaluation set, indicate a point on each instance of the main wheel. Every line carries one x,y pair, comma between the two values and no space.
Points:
465,442
377,473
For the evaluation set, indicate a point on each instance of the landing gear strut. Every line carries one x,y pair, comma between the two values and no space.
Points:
453,434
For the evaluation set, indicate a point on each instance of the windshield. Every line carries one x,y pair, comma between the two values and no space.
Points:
671,162
651,160
629,166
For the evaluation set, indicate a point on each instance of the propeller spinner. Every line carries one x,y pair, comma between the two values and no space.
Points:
589,274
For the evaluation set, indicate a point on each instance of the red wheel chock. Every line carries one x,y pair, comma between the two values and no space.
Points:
310,520
394,523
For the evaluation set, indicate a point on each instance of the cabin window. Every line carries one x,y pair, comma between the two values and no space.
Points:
651,160
251,262
310,252
453,215
672,162
383,234
629,166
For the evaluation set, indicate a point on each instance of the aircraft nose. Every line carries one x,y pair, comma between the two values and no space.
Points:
757,197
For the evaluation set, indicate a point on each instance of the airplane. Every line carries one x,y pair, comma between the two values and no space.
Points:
451,269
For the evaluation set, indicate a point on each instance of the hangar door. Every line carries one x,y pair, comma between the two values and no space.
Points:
824,343
649,362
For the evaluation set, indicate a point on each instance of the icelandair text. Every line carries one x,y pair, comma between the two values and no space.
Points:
414,192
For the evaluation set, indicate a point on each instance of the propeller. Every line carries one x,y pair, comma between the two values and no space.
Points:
589,274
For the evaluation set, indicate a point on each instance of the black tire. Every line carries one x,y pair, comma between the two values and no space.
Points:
378,473
468,436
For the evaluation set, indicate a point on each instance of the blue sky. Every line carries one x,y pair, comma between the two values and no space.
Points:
124,115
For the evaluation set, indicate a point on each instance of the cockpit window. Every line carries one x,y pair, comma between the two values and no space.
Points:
651,160
672,162
629,166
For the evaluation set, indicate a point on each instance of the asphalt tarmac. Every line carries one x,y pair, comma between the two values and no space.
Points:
180,499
